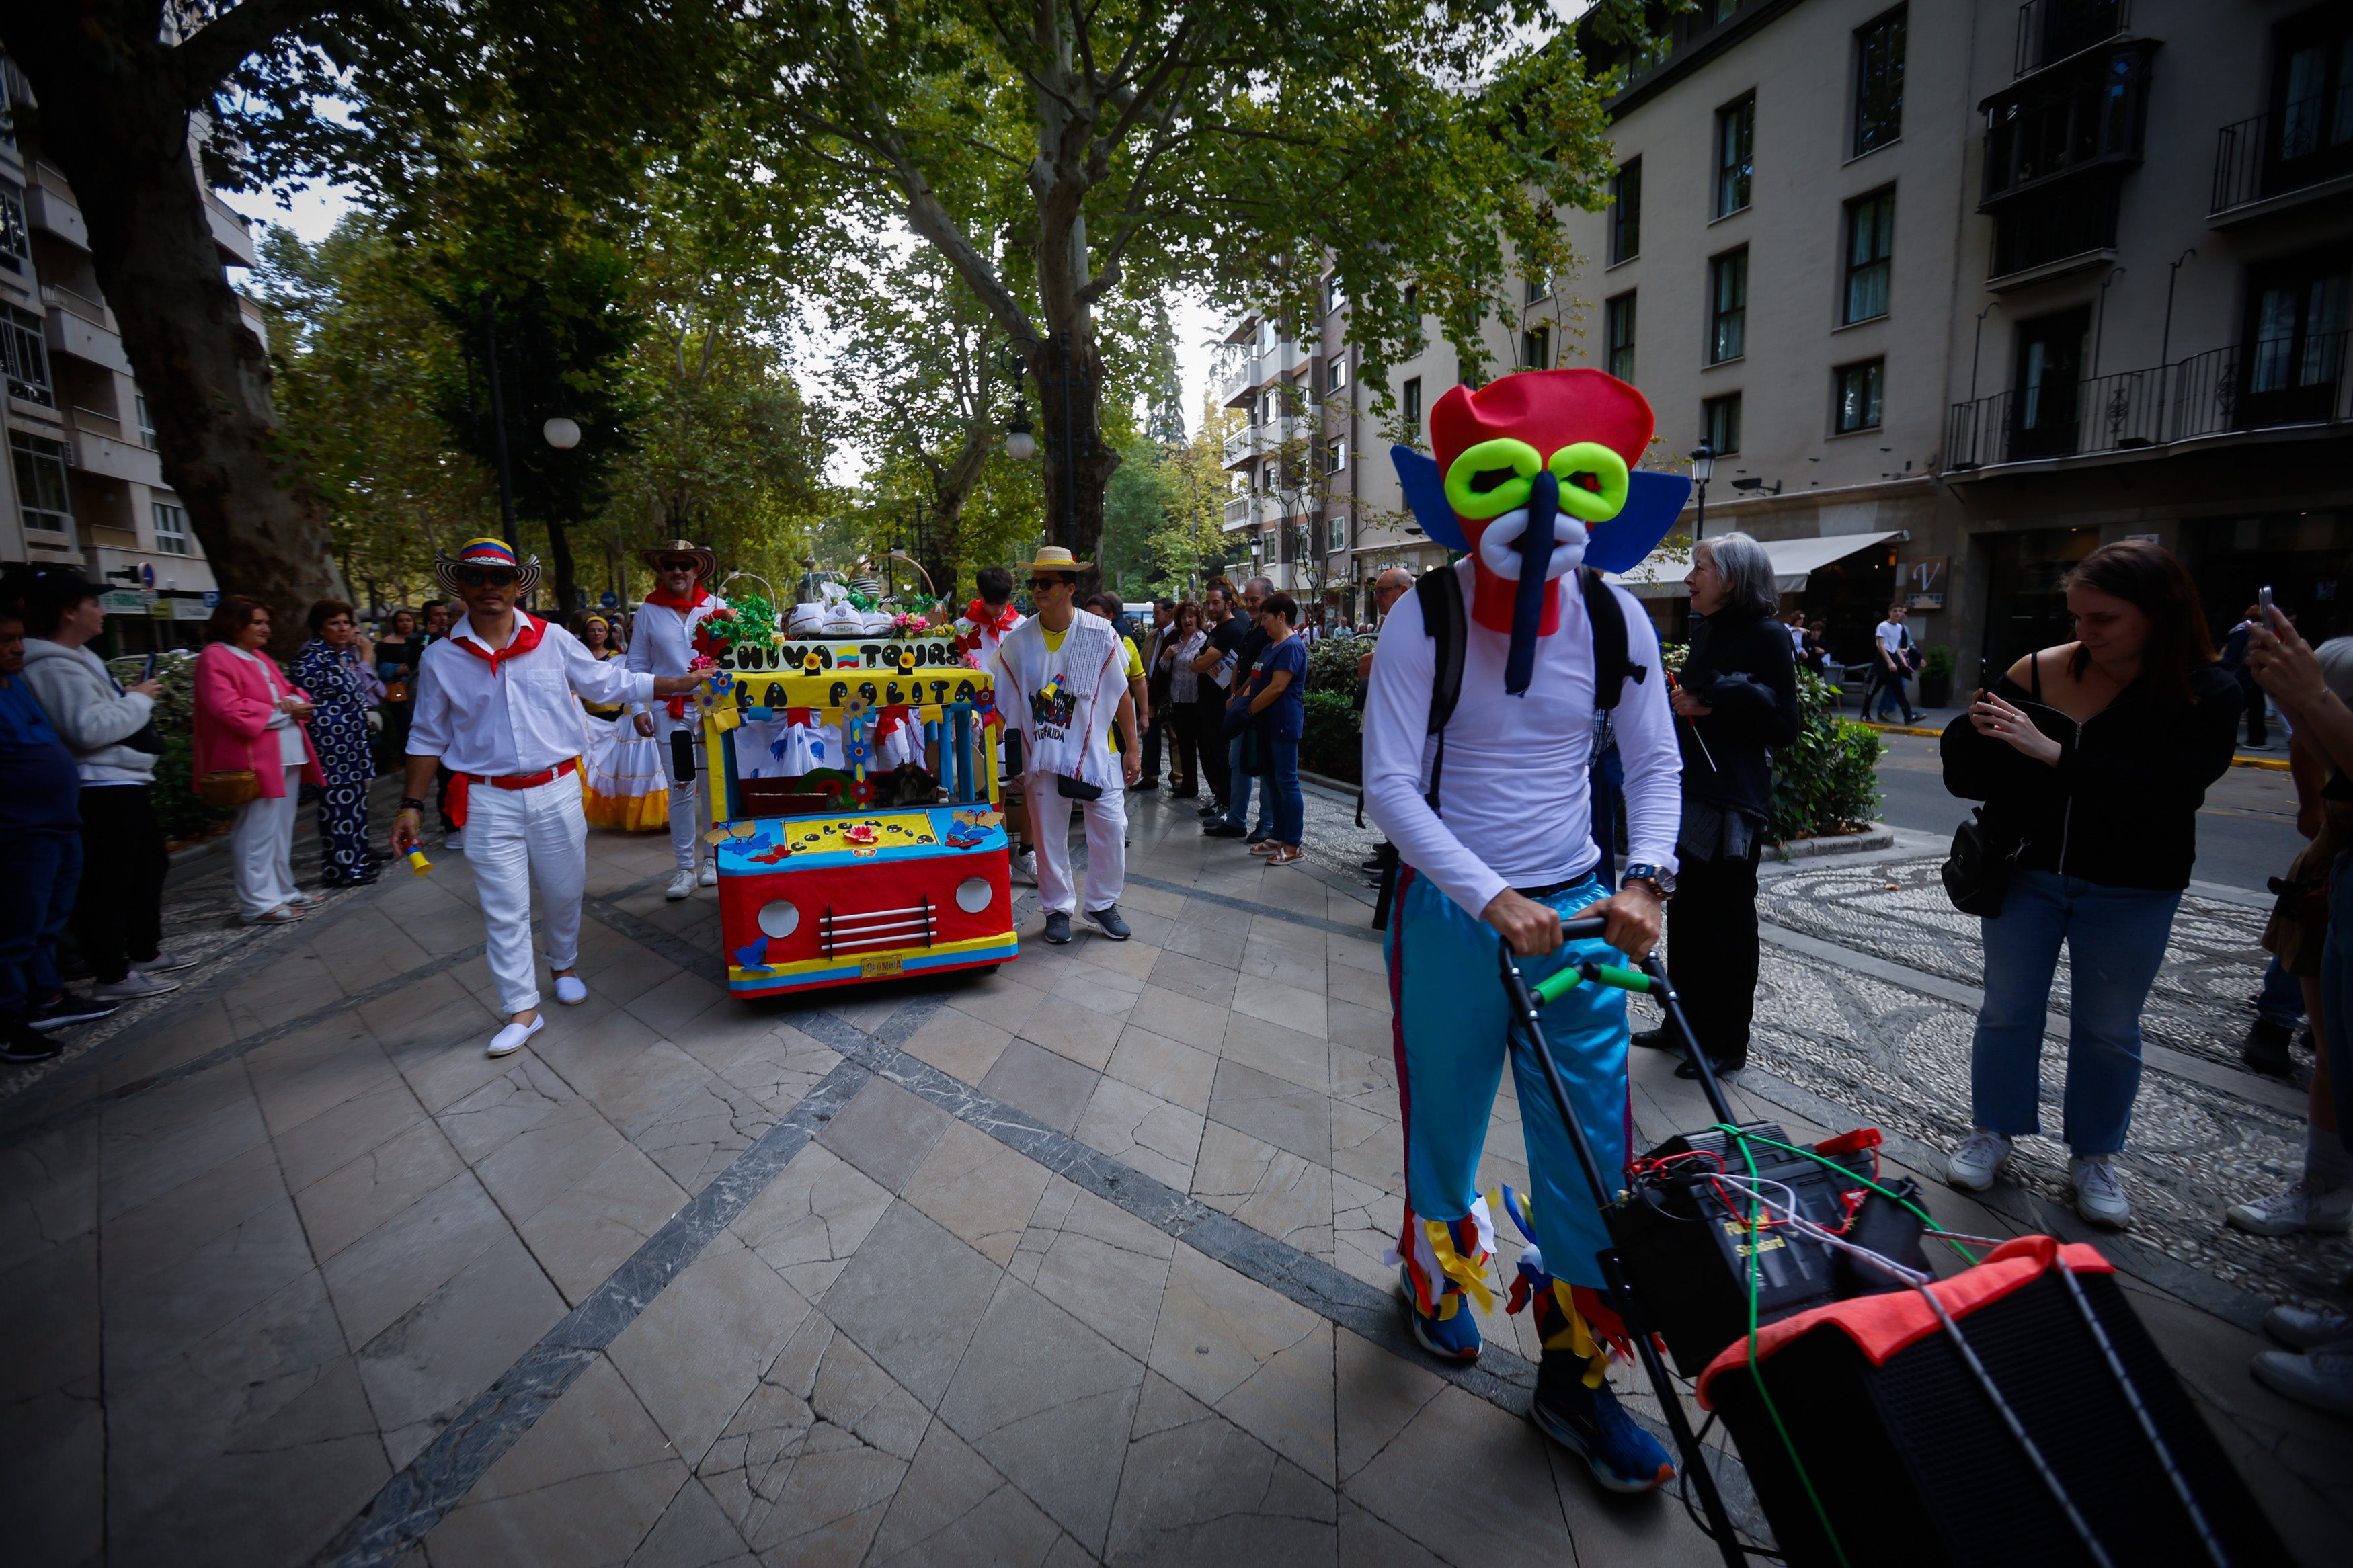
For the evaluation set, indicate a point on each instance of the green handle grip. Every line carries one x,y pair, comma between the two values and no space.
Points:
1623,979
1554,987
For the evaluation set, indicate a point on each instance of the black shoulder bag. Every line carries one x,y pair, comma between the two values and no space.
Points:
1977,873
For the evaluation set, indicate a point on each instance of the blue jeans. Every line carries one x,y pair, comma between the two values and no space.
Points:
39,871
2281,1001
1239,792
2115,939
2336,996
1284,799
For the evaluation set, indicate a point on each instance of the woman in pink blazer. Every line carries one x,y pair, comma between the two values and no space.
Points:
250,717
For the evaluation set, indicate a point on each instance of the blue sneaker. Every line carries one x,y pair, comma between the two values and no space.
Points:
1058,928
1590,1423
1453,1333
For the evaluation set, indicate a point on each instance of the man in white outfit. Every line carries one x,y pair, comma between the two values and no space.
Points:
499,709
1061,681
662,643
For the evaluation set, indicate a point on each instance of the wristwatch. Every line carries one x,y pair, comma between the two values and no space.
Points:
1661,882
410,803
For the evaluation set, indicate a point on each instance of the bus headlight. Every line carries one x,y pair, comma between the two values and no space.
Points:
973,894
778,917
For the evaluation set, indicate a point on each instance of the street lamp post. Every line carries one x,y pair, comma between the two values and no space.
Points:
1703,469
499,428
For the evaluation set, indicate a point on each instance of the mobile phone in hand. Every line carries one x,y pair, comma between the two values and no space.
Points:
2264,605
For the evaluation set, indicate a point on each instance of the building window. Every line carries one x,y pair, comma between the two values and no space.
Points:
1334,297
15,241
147,424
26,354
1335,455
1618,337
170,530
1719,422
1858,394
1879,83
1410,395
1727,305
1335,534
1870,242
1413,302
41,483
1339,372
1626,211
1736,155
1537,290
1536,349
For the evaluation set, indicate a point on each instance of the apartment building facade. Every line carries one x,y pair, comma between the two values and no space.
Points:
84,485
1956,293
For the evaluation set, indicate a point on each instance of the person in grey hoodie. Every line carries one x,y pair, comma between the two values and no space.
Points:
117,917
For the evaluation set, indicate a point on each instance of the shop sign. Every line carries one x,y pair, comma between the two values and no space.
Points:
184,608
124,601
1922,582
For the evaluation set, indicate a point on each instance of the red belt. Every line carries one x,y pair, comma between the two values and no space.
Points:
460,782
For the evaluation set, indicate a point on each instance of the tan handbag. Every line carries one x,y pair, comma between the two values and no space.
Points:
396,691
229,788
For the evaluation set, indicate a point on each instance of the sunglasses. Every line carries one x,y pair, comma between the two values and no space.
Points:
478,577
678,566
1038,584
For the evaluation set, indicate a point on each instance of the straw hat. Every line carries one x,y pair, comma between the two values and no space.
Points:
495,552
1054,558
706,562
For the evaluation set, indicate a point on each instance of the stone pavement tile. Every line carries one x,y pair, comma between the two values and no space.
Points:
1294,965
1098,1263
1199,1488
151,1317
1185,1020
427,1365
910,1297
48,1190
693,1532
954,1509
541,1163
524,1095
295,981
811,1218
50,1315
364,947
1050,1402
1304,1057
1278,1110
698,1351
1259,1359
1365,1221
592,1230
1365,1539
53,1507
135,1055
446,1061
1353,1020
581,1488
980,1191
1267,930
170,1134
1281,1002
1048,1086
316,1070
1141,1130
618,967
1133,958
346,1204
1506,1505
1178,1073
1362,954
1272,1191
617,1062
959,1044
1368,1145
885,1131
807,1467
1153,900
673,1006
376,1279
1084,1034
1196,977
1098,990
166,1230
776,1068
385,1108
1376,1396
999,998
1213,936
697,1136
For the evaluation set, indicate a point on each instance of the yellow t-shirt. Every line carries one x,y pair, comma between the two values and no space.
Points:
1134,668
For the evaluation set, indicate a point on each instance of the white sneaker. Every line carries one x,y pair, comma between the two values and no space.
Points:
2301,1328
454,841
2321,1377
2297,1209
570,990
165,962
1024,868
2099,1196
1972,1166
134,985
709,875
512,1038
681,884
299,898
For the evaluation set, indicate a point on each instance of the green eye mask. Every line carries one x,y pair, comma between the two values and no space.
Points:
1496,477
1605,467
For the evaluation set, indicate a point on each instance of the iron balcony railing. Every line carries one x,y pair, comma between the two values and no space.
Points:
2265,385
2310,141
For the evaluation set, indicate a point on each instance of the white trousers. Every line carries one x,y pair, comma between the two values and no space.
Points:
261,843
1106,844
687,818
515,837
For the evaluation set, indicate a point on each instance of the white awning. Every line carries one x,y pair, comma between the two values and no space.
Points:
1793,561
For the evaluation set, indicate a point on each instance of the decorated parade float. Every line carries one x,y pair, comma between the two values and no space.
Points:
852,764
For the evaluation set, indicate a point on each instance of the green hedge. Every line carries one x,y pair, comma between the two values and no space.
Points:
1329,744
1827,780
182,816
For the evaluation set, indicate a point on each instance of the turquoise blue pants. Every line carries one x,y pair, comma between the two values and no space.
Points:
1451,1025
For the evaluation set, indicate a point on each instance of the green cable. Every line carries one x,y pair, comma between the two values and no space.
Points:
1756,1376
1820,1159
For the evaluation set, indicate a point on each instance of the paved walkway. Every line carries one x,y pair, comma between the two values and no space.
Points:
1076,1261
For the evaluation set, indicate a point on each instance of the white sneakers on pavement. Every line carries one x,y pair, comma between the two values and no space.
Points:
1024,868
1973,1165
454,841
2301,1328
2321,1377
571,990
2099,1195
165,962
2297,1209
514,1036
134,986
681,884
709,875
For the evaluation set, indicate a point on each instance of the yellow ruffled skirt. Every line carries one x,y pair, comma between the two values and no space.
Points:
622,785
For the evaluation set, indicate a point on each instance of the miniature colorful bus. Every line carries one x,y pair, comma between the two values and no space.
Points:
827,873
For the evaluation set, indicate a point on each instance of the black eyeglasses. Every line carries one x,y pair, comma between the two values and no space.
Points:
1037,584
476,577
679,565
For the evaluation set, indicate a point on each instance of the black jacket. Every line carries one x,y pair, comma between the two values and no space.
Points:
1741,667
2121,807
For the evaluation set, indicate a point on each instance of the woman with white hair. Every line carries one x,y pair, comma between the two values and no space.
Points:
1735,699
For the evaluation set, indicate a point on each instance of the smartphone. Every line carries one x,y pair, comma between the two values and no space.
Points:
2263,605
150,671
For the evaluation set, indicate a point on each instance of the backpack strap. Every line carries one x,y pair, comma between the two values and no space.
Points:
1447,621
1613,665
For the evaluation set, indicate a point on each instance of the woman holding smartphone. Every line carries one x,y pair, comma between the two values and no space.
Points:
2092,759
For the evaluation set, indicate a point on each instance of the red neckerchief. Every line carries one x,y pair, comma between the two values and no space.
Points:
998,621
669,601
526,638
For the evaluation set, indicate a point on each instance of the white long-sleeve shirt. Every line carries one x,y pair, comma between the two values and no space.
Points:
1518,812
516,716
661,640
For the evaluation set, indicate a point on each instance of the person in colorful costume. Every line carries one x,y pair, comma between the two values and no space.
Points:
497,705
624,785
662,643
1491,816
